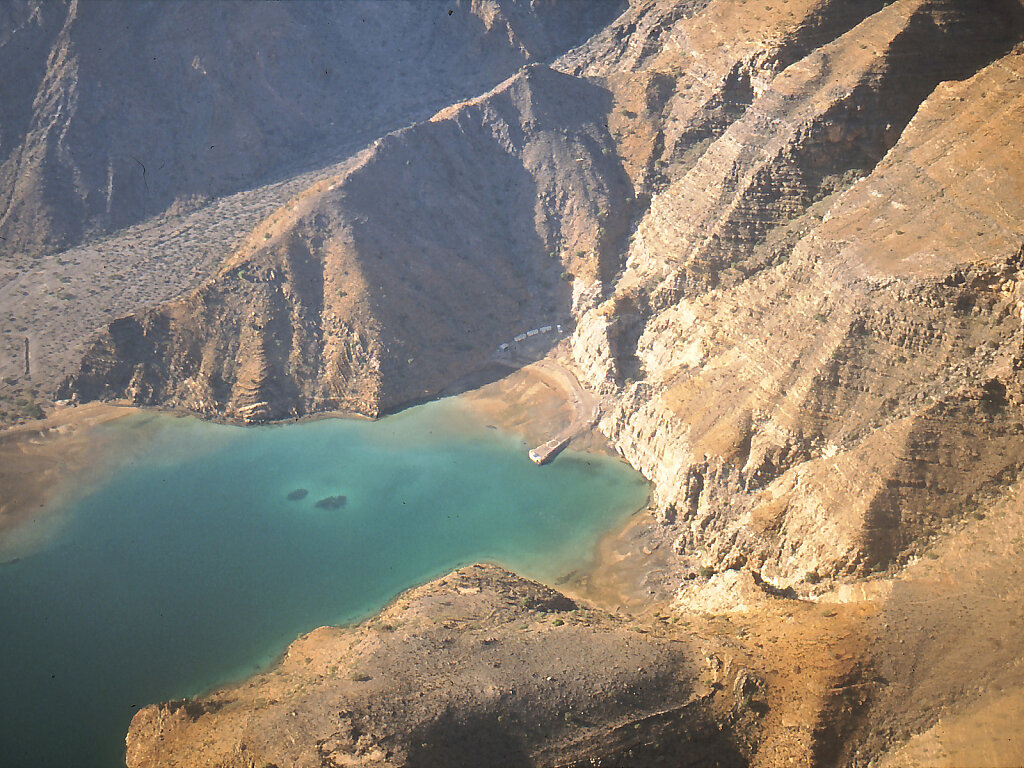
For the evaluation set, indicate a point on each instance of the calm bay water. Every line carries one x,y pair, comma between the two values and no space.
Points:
189,567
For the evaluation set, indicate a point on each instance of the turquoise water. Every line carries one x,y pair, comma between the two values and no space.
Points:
189,567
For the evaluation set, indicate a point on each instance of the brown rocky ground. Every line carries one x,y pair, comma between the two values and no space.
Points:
477,668
948,650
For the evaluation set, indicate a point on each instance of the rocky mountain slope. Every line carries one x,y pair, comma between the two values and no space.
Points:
62,300
817,385
385,284
115,111
119,112
789,238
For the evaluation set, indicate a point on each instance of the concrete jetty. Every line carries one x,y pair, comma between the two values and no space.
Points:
586,406
542,454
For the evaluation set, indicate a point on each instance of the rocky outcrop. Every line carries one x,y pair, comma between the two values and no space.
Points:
683,72
115,111
384,285
478,668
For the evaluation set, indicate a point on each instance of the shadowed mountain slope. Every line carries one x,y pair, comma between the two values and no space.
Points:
386,284
114,111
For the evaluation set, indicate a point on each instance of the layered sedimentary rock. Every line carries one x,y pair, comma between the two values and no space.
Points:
682,72
802,381
114,111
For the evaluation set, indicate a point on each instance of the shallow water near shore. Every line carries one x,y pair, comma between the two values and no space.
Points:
189,566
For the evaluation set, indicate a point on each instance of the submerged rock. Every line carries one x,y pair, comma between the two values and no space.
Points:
298,494
332,502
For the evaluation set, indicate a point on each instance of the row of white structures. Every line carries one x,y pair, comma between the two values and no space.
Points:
534,332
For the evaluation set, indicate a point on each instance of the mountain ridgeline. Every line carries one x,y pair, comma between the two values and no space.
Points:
382,286
116,111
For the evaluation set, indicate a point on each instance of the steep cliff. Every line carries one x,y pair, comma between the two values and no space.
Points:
816,385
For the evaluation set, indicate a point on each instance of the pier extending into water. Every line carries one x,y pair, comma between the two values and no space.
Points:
587,407
545,452
586,410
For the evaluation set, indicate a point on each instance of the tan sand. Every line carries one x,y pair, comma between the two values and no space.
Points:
44,463
530,402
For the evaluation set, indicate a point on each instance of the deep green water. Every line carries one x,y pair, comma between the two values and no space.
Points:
188,567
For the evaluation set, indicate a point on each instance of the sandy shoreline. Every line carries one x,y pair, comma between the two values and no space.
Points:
630,567
46,463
